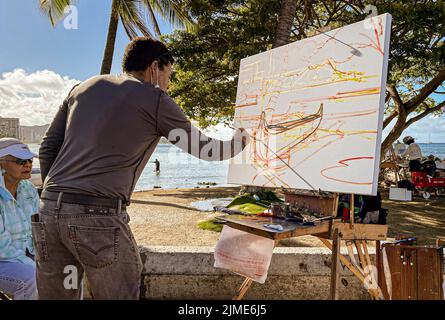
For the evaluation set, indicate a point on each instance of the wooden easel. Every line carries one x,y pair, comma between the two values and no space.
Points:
392,164
335,230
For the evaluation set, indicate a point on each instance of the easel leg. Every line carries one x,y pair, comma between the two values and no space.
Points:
360,255
374,293
352,257
345,261
243,289
377,254
246,284
334,265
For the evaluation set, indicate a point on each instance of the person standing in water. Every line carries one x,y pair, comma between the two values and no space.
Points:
157,166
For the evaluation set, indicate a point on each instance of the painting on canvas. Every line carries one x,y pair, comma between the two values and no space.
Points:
314,111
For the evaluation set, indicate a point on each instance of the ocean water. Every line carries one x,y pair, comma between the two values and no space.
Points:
178,170
438,149
181,170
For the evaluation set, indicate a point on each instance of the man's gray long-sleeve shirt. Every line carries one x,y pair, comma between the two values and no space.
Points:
105,132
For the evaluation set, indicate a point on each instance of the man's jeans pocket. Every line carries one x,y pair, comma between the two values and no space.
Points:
39,241
97,247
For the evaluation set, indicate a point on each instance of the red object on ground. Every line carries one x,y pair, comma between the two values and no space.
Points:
345,214
421,180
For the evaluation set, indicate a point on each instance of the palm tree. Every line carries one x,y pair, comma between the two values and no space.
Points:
131,14
285,22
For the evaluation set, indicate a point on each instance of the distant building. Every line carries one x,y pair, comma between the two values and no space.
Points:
9,127
33,134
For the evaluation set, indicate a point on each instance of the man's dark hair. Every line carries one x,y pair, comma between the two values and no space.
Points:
141,52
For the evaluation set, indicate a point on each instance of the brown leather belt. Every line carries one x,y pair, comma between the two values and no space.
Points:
83,199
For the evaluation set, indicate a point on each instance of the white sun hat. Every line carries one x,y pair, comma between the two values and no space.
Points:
15,148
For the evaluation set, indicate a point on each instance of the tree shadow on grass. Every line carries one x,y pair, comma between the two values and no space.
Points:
424,220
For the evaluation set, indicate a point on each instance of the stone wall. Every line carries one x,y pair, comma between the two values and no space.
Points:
294,273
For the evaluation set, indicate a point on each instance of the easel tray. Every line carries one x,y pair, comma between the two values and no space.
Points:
255,225
323,229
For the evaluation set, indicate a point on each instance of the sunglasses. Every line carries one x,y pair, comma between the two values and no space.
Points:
20,162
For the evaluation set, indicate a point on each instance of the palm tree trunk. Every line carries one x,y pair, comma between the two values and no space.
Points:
107,59
282,35
285,21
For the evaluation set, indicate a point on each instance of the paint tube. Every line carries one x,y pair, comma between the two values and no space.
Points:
277,227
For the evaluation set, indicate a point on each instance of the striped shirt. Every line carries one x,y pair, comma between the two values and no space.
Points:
15,222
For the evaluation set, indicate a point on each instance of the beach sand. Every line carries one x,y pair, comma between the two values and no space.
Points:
166,218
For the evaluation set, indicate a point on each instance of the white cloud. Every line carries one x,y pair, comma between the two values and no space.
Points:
431,128
32,97
35,98
220,131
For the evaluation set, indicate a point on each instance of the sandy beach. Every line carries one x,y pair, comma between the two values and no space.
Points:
167,218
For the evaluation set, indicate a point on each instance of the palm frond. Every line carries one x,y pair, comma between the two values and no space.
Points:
153,20
132,13
173,11
54,9
132,20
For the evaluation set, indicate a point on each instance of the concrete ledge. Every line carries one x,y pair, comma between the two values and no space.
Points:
294,273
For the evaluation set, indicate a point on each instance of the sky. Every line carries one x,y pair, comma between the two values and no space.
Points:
39,64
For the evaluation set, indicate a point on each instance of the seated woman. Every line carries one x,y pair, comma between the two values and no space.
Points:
18,201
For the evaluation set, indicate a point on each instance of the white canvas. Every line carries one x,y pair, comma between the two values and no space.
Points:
314,111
